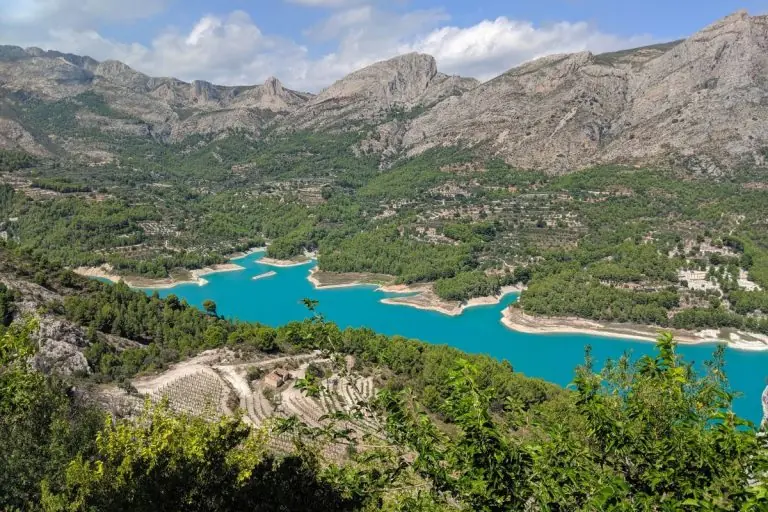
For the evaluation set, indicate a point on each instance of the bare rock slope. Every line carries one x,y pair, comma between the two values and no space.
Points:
704,98
169,109
402,83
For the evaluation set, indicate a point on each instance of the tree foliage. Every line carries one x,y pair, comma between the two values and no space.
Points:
655,436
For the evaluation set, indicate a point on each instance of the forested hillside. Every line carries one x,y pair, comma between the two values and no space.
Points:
152,177
457,432
616,244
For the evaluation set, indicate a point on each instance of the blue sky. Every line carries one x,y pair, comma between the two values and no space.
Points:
310,43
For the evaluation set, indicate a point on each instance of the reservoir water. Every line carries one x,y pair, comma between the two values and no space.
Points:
276,300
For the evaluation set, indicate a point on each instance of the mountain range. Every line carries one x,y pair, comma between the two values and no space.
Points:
701,103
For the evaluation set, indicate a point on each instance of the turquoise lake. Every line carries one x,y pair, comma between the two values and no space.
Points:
276,300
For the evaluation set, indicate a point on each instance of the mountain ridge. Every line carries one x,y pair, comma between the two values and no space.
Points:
697,101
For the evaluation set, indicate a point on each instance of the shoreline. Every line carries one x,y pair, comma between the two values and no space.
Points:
272,262
196,276
518,321
422,296
426,299
242,255
106,271
419,296
348,280
308,258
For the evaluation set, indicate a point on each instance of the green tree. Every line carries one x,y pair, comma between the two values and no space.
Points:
41,427
651,435
163,461
210,307
7,306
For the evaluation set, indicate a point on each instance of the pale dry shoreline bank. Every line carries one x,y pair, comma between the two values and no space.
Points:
307,258
516,320
195,276
272,262
426,299
192,276
249,252
106,271
420,296
322,280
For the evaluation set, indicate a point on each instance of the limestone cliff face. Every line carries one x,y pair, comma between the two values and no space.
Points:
271,96
702,101
404,82
114,73
50,74
60,346
60,342
706,96
553,110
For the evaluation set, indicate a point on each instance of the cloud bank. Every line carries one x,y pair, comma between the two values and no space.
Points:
234,49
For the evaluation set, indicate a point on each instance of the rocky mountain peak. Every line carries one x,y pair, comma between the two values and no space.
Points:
399,80
34,51
121,74
273,87
203,91
740,15
402,82
414,65
704,96
110,68
12,53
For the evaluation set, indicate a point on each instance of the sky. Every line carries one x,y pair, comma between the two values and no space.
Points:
308,44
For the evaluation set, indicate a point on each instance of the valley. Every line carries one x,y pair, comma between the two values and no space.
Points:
408,291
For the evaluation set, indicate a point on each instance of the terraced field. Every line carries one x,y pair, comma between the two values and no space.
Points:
210,386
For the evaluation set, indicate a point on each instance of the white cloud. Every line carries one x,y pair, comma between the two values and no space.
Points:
488,48
365,39
339,22
227,50
233,49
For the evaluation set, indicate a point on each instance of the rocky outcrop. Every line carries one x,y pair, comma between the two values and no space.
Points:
370,94
60,342
50,75
115,73
59,348
271,97
552,112
218,121
14,136
707,96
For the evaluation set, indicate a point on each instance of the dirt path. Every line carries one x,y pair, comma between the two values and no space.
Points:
243,390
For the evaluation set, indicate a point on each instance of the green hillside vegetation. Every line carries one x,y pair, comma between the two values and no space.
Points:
385,251
15,160
62,186
463,432
466,285
449,216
